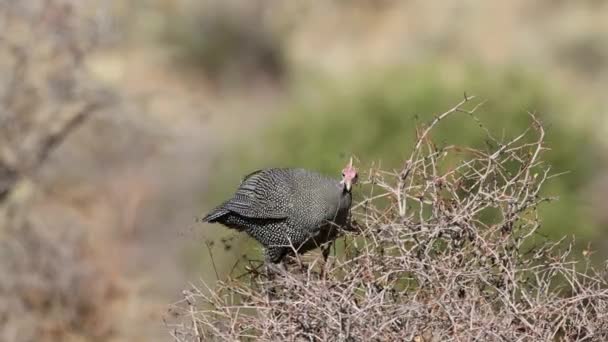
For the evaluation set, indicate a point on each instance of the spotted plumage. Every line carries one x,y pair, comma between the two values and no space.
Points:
288,210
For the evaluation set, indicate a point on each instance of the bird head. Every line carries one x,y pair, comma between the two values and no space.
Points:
349,176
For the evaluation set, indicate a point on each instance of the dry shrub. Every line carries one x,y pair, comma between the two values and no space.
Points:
231,41
53,286
447,248
45,91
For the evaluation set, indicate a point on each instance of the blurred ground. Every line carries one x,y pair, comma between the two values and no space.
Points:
135,175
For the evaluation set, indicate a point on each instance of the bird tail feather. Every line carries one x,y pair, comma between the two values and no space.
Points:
215,214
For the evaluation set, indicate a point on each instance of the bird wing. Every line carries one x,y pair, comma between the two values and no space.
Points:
262,194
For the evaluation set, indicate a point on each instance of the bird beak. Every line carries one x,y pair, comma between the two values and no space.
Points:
347,184
347,181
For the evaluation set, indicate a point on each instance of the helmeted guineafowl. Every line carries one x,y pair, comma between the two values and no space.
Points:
288,210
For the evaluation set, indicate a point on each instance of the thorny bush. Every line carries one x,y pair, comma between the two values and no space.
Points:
447,248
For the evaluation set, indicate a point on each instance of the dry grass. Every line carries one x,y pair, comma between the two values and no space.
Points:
447,248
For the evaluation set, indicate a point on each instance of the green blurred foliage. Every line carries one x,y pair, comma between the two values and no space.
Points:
374,117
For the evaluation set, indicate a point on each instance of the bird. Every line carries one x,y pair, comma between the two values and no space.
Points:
288,210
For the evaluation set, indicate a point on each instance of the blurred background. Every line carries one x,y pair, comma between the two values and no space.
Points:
122,121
